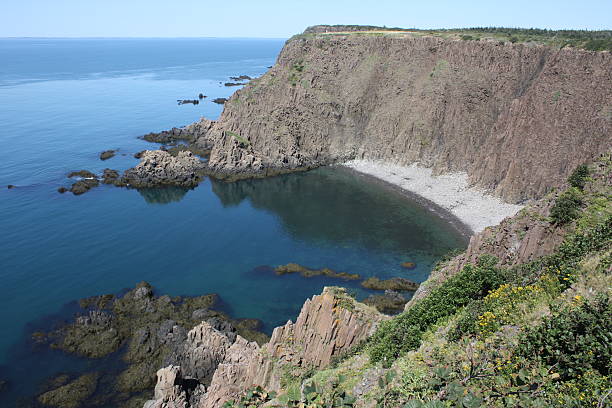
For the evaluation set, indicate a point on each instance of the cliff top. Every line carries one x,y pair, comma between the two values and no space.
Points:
584,39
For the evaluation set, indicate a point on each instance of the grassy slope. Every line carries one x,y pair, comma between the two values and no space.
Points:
535,335
582,39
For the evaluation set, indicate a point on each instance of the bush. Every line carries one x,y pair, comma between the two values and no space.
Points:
566,207
575,340
579,177
403,333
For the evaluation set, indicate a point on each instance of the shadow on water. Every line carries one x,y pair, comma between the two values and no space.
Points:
165,195
332,205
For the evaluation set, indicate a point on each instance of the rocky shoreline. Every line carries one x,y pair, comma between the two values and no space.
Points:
133,335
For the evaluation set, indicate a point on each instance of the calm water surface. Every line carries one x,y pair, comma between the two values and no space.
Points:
62,102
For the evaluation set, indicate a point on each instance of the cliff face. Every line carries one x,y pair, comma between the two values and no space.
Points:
517,118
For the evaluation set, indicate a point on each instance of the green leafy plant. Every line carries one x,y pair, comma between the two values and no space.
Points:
575,340
579,177
566,207
404,332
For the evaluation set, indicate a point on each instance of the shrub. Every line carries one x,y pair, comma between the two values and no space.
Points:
567,207
575,340
403,333
579,177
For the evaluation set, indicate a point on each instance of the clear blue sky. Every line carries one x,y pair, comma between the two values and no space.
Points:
272,18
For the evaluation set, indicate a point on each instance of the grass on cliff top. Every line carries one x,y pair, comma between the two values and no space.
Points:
582,39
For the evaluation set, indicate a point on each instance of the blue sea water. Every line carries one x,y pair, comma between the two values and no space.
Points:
63,101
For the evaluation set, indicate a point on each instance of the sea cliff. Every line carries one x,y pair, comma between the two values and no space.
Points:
517,118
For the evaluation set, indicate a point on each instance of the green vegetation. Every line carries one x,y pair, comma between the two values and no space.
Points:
295,72
404,333
243,141
579,177
253,397
583,39
567,207
535,334
575,340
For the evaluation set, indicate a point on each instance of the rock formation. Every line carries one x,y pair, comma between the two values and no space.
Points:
328,325
516,117
158,168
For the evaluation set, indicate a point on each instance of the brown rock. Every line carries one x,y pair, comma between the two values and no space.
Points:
396,284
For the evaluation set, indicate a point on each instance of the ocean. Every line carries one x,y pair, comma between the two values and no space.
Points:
63,101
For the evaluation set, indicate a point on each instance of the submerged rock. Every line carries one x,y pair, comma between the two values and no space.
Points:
147,332
10,186
308,273
3,385
170,136
82,173
396,284
390,302
83,186
107,154
188,148
71,395
241,78
233,84
408,265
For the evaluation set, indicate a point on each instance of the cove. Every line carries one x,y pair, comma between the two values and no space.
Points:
217,238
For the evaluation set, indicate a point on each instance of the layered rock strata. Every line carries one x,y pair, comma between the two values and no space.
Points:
328,325
517,118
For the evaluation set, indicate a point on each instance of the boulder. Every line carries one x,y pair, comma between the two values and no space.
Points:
107,154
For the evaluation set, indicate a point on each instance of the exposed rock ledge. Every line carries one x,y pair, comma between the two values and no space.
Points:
327,326
474,207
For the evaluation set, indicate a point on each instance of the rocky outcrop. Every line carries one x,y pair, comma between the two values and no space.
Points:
527,236
158,168
169,390
328,325
517,118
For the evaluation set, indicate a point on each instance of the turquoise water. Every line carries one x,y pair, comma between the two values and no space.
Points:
64,101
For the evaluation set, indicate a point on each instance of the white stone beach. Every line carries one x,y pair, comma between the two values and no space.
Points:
476,208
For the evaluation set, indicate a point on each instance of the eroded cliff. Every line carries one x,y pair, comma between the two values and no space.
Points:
516,117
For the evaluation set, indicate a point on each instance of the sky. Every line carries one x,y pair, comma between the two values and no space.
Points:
281,19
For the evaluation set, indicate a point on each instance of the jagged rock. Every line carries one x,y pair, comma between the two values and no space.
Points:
328,325
62,190
10,186
202,351
187,101
396,284
107,154
158,168
453,106
169,391
233,84
82,173
232,376
201,96
83,186
220,101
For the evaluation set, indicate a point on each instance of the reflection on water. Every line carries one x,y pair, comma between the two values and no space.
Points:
163,195
333,205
